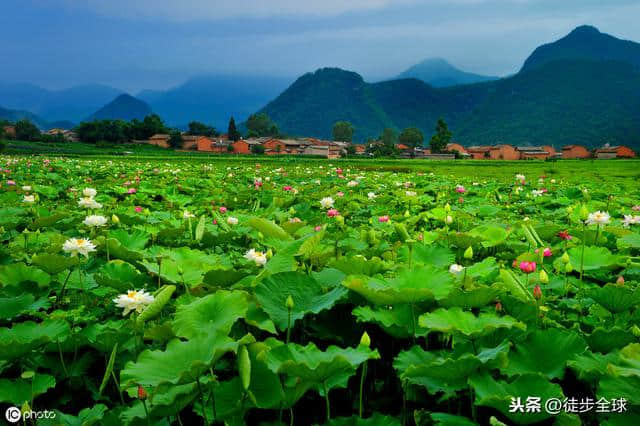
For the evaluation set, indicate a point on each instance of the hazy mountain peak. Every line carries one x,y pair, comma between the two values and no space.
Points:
123,107
438,72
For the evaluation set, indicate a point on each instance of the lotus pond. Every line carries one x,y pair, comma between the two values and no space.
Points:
157,292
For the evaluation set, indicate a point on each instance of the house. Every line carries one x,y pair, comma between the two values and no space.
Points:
360,149
496,152
608,151
205,144
9,132
274,146
451,147
67,135
241,147
575,151
328,151
440,156
535,152
402,147
160,139
193,142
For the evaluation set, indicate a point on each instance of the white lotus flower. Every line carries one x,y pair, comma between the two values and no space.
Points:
520,177
187,215
537,193
410,193
352,183
327,202
89,203
455,269
95,220
371,195
133,301
232,220
89,192
630,220
257,256
448,220
598,218
26,188
76,246
29,199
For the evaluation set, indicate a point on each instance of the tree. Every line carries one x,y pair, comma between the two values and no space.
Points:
27,131
257,149
232,133
175,139
389,137
441,138
3,145
343,131
201,129
351,149
260,124
412,137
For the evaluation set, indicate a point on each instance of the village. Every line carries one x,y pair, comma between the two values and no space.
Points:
335,149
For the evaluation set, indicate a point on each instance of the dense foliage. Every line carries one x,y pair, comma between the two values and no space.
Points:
120,131
342,131
136,292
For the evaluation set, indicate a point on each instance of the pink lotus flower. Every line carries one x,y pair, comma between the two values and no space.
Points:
564,235
537,291
132,191
339,171
215,222
318,228
287,188
11,182
340,194
460,189
636,208
546,252
383,219
333,213
528,267
138,209
461,200
222,209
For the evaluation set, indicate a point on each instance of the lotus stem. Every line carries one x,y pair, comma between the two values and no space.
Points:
326,399
584,240
363,374
204,410
288,325
146,412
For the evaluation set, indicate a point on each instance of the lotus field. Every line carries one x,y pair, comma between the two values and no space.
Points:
190,292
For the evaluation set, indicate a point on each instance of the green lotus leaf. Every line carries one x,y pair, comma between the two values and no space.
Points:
475,298
268,228
183,265
223,277
499,394
18,273
615,298
22,338
359,265
410,286
605,340
545,352
307,294
455,320
491,234
313,365
631,240
86,417
591,366
22,390
257,317
131,239
376,419
120,275
180,363
397,321
25,303
617,387
53,263
445,419
213,313
118,251
594,258
485,271
423,254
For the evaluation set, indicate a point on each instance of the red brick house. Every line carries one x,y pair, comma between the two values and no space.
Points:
194,142
241,147
535,152
9,132
161,140
496,152
575,151
456,147
614,152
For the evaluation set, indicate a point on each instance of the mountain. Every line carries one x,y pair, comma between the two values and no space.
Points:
562,101
585,43
124,107
73,104
439,73
16,115
212,99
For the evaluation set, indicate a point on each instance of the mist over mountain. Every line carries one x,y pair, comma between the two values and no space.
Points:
124,107
437,72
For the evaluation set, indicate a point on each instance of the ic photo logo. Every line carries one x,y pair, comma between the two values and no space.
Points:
13,414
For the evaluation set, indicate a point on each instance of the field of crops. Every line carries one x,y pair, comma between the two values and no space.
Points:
187,292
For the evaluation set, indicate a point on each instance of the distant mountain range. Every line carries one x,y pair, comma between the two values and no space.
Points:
437,72
568,92
124,107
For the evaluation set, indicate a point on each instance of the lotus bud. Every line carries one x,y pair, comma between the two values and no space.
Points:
269,254
407,214
142,394
289,303
340,220
292,211
620,280
27,375
584,213
537,292
568,268
115,219
26,408
447,207
635,330
565,258
365,340
448,220
544,278
498,306
468,253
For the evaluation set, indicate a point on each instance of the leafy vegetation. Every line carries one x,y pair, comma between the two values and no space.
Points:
182,291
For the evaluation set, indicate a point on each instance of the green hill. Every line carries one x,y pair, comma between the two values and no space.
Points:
562,101
124,107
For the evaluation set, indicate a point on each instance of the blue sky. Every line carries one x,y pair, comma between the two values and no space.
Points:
138,44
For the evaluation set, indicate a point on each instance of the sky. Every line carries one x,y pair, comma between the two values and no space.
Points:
157,44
